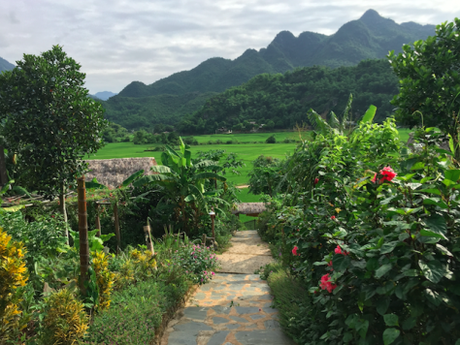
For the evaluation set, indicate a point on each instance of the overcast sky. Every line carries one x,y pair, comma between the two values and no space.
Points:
119,41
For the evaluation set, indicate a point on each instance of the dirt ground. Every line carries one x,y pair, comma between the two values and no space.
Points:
247,254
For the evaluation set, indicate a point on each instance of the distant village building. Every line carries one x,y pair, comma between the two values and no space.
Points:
112,172
223,130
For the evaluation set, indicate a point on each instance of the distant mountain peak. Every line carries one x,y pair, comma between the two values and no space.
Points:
105,95
5,65
370,15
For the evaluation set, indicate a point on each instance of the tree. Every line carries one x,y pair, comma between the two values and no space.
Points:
265,176
49,120
429,74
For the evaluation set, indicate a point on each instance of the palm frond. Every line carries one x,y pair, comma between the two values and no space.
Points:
161,169
209,175
318,122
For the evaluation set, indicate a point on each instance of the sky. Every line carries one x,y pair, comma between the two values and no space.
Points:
120,41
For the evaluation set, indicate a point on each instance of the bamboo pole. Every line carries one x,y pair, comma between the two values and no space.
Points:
148,239
98,221
117,226
63,210
83,234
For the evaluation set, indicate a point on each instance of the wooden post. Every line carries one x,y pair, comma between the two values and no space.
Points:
98,220
83,234
148,239
213,215
117,226
64,211
3,175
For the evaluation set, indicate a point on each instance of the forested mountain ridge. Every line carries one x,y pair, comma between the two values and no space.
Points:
280,101
370,37
5,65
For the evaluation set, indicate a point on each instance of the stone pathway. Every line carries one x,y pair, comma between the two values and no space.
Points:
235,307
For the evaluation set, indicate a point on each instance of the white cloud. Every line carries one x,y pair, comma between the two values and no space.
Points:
119,41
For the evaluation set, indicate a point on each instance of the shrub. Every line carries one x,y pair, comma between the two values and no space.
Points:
271,139
65,320
198,261
13,275
291,300
133,266
104,278
378,254
132,318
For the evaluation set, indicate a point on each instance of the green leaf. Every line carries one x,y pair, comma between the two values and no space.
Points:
431,190
130,179
388,247
409,323
369,115
384,269
340,262
443,250
432,270
362,328
391,320
94,185
390,335
453,175
418,166
437,225
411,273
382,305
427,233
13,208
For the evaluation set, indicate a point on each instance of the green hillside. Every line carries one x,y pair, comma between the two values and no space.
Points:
145,112
282,101
370,37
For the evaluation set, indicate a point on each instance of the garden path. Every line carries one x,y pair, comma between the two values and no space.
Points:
235,308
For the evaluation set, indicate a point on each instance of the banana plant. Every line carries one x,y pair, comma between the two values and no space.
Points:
184,182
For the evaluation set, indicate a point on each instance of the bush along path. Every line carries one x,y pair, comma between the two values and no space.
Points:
235,308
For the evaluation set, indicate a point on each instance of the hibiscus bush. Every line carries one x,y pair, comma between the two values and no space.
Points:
376,245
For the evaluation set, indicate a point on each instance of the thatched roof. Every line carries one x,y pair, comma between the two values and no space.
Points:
112,172
250,208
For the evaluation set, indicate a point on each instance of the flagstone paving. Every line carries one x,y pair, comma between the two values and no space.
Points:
234,308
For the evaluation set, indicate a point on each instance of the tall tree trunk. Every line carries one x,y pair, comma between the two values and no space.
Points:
83,234
63,210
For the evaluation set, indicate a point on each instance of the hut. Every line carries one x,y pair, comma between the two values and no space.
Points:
112,172
252,209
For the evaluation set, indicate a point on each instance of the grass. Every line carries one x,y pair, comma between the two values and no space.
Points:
247,137
251,146
247,152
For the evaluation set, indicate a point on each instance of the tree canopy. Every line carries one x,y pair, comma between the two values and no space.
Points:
429,73
281,101
48,119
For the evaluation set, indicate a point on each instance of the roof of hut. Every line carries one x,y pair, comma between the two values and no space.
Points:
250,208
112,172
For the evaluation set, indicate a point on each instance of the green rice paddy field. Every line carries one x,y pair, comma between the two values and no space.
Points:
249,147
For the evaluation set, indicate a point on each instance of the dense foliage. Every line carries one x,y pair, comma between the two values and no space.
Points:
48,307
430,82
152,112
281,101
48,120
373,246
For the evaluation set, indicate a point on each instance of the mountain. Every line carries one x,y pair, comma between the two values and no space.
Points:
369,37
5,65
104,95
280,101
